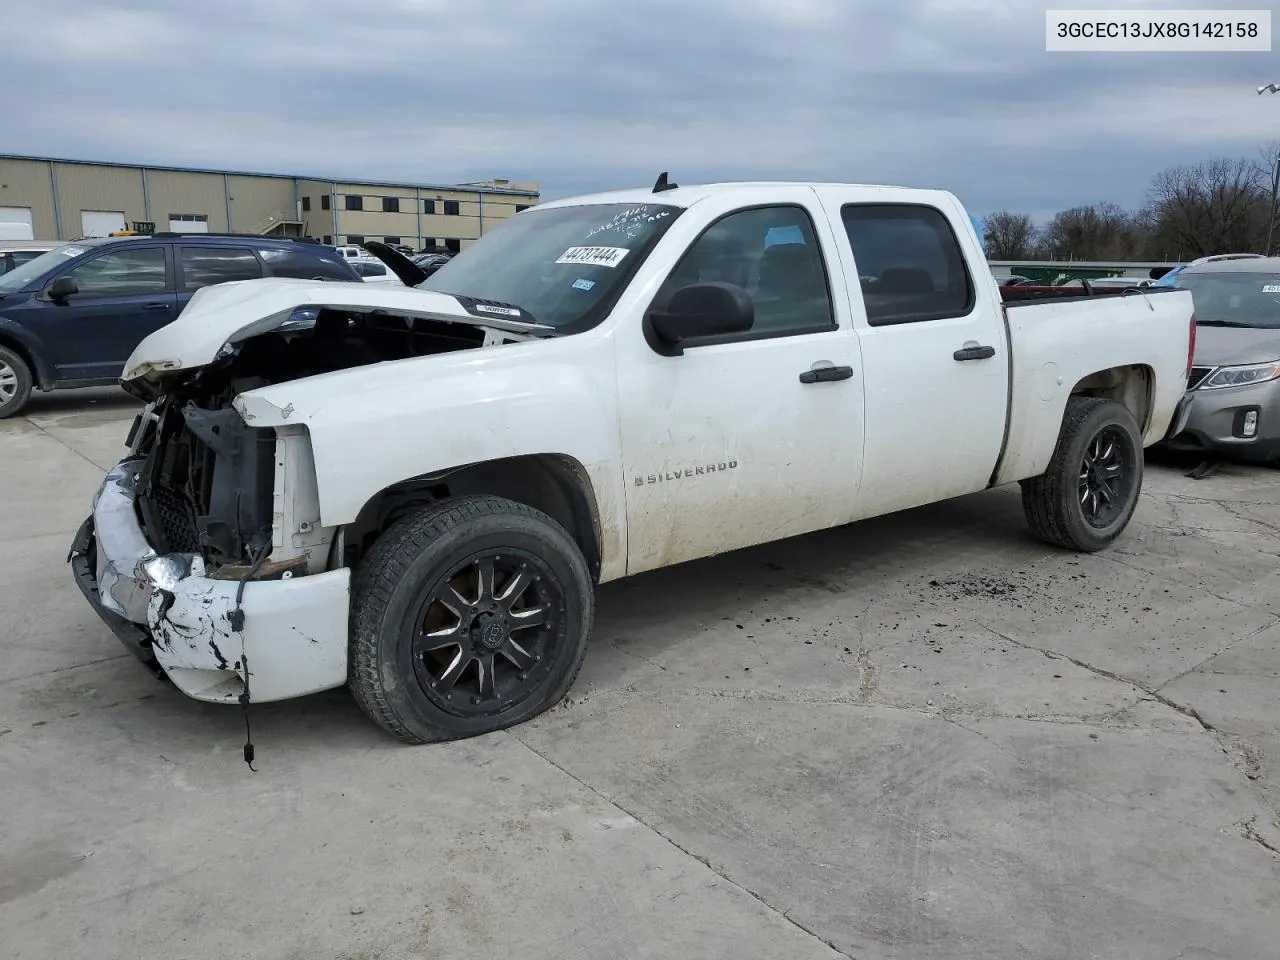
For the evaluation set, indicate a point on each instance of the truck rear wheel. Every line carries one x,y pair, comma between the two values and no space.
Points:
1086,497
467,617
15,383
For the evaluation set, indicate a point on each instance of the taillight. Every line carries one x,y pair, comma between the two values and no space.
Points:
1191,347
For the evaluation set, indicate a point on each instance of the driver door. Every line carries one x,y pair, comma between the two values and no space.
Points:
736,441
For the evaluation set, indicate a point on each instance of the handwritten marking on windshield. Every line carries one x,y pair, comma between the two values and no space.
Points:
630,223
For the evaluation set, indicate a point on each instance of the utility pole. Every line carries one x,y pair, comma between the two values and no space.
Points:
1275,178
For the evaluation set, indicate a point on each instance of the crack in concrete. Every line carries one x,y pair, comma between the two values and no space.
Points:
56,670
1114,557
719,872
1251,833
636,656
59,440
1153,693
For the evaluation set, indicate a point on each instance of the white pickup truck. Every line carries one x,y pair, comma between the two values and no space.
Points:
414,491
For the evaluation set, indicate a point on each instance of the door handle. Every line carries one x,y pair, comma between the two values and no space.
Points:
155,306
823,374
972,351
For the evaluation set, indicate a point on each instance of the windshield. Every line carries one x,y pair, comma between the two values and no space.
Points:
564,266
32,270
1234,299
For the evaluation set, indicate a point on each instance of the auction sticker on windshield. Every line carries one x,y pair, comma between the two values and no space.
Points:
594,256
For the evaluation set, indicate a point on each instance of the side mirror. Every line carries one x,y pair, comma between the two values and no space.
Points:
701,310
62,288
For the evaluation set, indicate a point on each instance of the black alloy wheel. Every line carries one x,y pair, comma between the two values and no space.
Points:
1106,475
1089,490
485,633
468,616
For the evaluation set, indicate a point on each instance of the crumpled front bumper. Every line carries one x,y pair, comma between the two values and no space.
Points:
282,638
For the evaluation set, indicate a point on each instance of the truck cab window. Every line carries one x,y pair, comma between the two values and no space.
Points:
771,252
909,263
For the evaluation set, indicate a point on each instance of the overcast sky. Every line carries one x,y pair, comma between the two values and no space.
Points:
580,96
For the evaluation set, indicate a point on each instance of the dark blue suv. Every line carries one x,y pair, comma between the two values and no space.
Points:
71,317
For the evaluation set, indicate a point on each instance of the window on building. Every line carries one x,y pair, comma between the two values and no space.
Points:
324,201
390,204
521,206
328,240
205,266
910,263
453,245
428,206
451,208
391,240
132,272
355,238
354,202
306,204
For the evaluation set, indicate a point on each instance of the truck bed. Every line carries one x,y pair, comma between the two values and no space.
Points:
1057,343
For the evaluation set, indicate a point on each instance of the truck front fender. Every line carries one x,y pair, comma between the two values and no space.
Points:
372,428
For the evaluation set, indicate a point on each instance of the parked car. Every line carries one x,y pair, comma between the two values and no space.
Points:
14,253
71,316
1169,278
598,387
1232,404
431,262
373,270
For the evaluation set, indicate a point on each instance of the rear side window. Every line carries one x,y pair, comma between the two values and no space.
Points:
301,265
205,266
909,263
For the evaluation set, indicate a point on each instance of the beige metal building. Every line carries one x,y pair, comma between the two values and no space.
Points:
68,199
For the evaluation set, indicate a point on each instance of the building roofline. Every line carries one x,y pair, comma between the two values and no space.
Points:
465,188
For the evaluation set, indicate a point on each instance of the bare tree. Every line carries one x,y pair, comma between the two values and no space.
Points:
1100,232
1219,206
1269,176
1009,236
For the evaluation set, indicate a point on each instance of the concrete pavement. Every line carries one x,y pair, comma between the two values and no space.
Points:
926,736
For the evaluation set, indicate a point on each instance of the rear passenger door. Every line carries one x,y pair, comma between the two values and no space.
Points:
934,349
203,266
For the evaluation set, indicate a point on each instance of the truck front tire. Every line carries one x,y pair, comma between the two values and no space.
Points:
1086,497
468,616
15,383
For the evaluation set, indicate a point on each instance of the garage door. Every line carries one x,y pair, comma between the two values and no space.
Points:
100,223
15,223
189,223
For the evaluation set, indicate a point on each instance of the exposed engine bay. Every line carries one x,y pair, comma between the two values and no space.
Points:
208,483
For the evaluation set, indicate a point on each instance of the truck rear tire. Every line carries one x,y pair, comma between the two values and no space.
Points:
468,616
1086,497
15,383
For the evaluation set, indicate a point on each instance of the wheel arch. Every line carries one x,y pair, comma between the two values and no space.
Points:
556,484
1131,385
41,372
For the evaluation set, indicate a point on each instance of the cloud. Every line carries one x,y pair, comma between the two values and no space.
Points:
582,96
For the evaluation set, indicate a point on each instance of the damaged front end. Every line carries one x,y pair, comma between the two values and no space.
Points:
205,552
202,566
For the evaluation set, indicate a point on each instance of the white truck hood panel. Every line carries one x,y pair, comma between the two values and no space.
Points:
224,314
